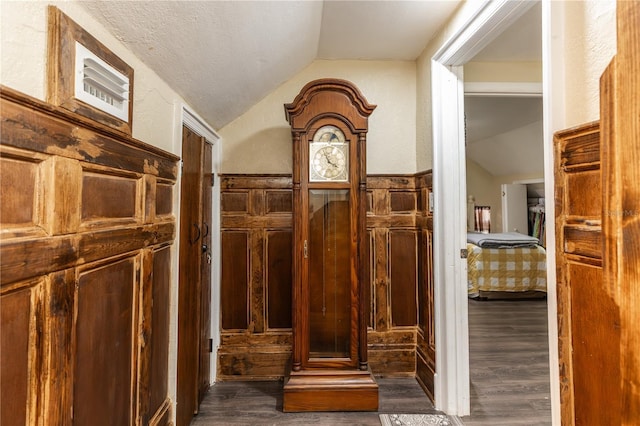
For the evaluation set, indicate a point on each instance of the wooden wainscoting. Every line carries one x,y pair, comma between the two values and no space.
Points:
256,276
426,342
87,227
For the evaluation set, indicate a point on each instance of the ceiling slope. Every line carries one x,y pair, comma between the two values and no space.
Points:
222,57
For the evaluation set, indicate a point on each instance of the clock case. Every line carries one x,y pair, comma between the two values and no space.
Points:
336,378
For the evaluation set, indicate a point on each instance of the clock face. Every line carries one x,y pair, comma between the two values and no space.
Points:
330,162
328,156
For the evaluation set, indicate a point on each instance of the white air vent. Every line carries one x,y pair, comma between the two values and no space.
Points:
100,85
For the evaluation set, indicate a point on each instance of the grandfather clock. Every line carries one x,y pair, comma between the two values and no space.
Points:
329,368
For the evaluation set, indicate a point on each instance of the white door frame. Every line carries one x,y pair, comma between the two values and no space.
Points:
452,386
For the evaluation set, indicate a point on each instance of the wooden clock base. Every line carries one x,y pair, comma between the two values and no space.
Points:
330,390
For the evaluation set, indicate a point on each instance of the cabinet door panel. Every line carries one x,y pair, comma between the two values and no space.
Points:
235,279
404,274
104,331
279,278
16,311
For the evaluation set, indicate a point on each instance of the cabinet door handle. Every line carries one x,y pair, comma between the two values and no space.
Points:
306,249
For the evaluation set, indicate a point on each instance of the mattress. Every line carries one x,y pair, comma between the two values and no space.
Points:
514,269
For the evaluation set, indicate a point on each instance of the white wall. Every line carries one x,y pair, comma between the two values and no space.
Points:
503,72
259,141
424,128
23,40
480,186
486,188
589,45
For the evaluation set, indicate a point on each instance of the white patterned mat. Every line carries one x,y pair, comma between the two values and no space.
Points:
419,420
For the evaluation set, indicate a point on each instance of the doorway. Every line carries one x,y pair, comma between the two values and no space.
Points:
199,227
449,176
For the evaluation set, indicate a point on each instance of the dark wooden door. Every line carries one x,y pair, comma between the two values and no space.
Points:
194,275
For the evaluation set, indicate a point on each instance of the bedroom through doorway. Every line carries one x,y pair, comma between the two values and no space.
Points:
507,309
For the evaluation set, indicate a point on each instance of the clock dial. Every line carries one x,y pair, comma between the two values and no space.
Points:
328,155
330,162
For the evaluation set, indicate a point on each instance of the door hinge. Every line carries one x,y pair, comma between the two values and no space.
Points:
464,253
210,345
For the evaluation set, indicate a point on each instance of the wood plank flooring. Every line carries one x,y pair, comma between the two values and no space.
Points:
509,379
509,363
260,403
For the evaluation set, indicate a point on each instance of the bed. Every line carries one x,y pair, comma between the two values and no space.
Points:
505,265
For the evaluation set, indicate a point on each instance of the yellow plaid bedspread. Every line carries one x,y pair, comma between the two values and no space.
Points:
506,269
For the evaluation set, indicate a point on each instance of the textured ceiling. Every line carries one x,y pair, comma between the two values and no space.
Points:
224,56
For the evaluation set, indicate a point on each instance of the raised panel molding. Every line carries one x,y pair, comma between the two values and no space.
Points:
258,208
88,210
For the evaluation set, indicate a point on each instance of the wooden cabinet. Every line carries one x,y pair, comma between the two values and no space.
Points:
329,367
87,227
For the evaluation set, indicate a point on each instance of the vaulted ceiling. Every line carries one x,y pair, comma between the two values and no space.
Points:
224,56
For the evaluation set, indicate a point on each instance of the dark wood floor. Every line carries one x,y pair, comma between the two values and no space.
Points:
509,363
260,403
509,379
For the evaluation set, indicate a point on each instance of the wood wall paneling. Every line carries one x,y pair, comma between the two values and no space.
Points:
18,192
154,330
109,197
164,198
588,317
591,327
76,279
105,316
620,112
403,276
20,352
256,276
235,280
278,201
278,270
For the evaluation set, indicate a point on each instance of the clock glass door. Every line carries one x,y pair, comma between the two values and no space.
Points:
329,274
